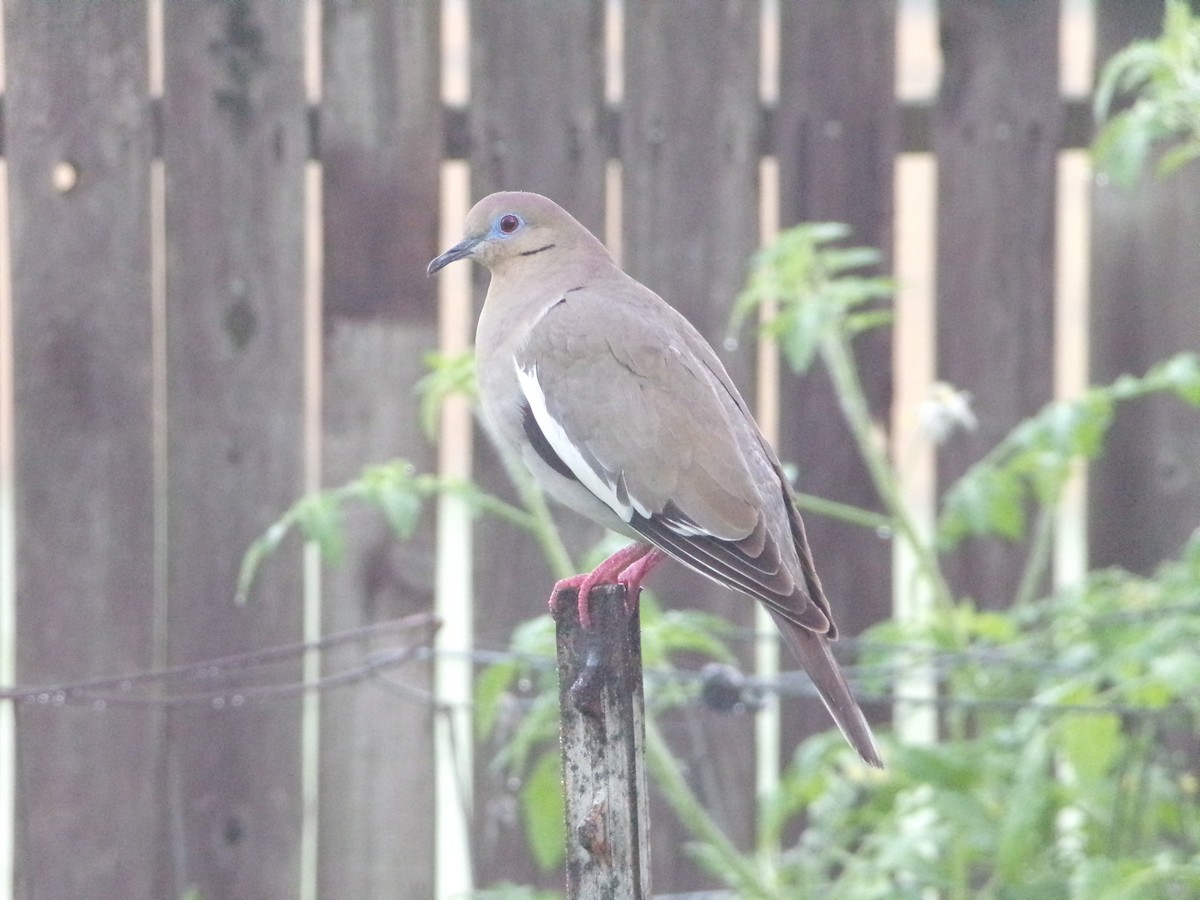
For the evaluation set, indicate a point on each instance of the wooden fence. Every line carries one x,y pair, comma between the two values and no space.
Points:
213,300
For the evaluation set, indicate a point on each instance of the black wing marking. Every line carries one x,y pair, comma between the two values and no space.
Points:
541,445
728,563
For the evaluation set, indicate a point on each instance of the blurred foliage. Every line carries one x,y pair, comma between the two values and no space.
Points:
1063,769
1065,762
394,489
449,375
1160,81
514,892
1068,724
1068,773
1036,459
516,705
819,288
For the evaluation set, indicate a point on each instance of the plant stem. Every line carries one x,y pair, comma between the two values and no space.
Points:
839,360
693,816
486,503
544,530
844,512
1041,541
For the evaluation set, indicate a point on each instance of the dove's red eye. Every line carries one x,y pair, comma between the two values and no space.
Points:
509,223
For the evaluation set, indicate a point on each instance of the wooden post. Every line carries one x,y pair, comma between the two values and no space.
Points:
603,748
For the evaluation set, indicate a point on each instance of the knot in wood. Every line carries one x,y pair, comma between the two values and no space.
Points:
587,690
592,832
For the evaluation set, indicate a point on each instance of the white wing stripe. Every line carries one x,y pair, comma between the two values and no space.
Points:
571,455
685,529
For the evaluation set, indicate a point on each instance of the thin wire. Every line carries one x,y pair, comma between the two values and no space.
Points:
231,698
379,668
118,689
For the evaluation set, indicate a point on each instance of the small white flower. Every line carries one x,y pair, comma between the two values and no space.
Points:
946,410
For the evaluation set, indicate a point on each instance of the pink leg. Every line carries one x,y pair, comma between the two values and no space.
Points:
635,573
628,566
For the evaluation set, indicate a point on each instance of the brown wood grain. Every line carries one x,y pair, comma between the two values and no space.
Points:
235,139
381,150
89,820
143,803
537,111
690,150
837,134
995,133
602,719
1145,490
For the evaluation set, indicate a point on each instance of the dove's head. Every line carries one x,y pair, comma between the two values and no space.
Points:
510,226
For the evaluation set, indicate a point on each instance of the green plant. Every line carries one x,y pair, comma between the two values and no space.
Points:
1056,775
1052,779
1063,781
525,683
1163,76
396,489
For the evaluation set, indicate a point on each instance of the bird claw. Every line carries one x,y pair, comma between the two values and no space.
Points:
627,567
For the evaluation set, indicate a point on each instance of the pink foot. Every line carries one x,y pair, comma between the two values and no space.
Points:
635,573
628,567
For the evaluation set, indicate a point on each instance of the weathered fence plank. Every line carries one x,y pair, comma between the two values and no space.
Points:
1145,490
380,128
78,141
690,153
603,726
836,137
996,132
537,119
235,139
207,799
536,124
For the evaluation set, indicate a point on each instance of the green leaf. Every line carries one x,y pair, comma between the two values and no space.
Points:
683,631
490,687
319,517
1122,146
857,323
507,891
1162,77
800,345
1181,374
718,865
1178,669
1089,742
396,492
1027,824
823,232
995,627
836,260
538,728
1036,456
986,500
1176,158
449,375
535,637
1156,878
808,277
256,553
1100,876
543,811
948,767
1076,428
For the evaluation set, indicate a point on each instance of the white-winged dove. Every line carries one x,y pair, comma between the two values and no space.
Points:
623,412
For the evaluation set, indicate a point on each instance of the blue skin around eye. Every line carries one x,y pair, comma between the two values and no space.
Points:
498,232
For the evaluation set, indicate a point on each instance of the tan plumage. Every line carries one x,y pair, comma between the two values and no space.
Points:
623,412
